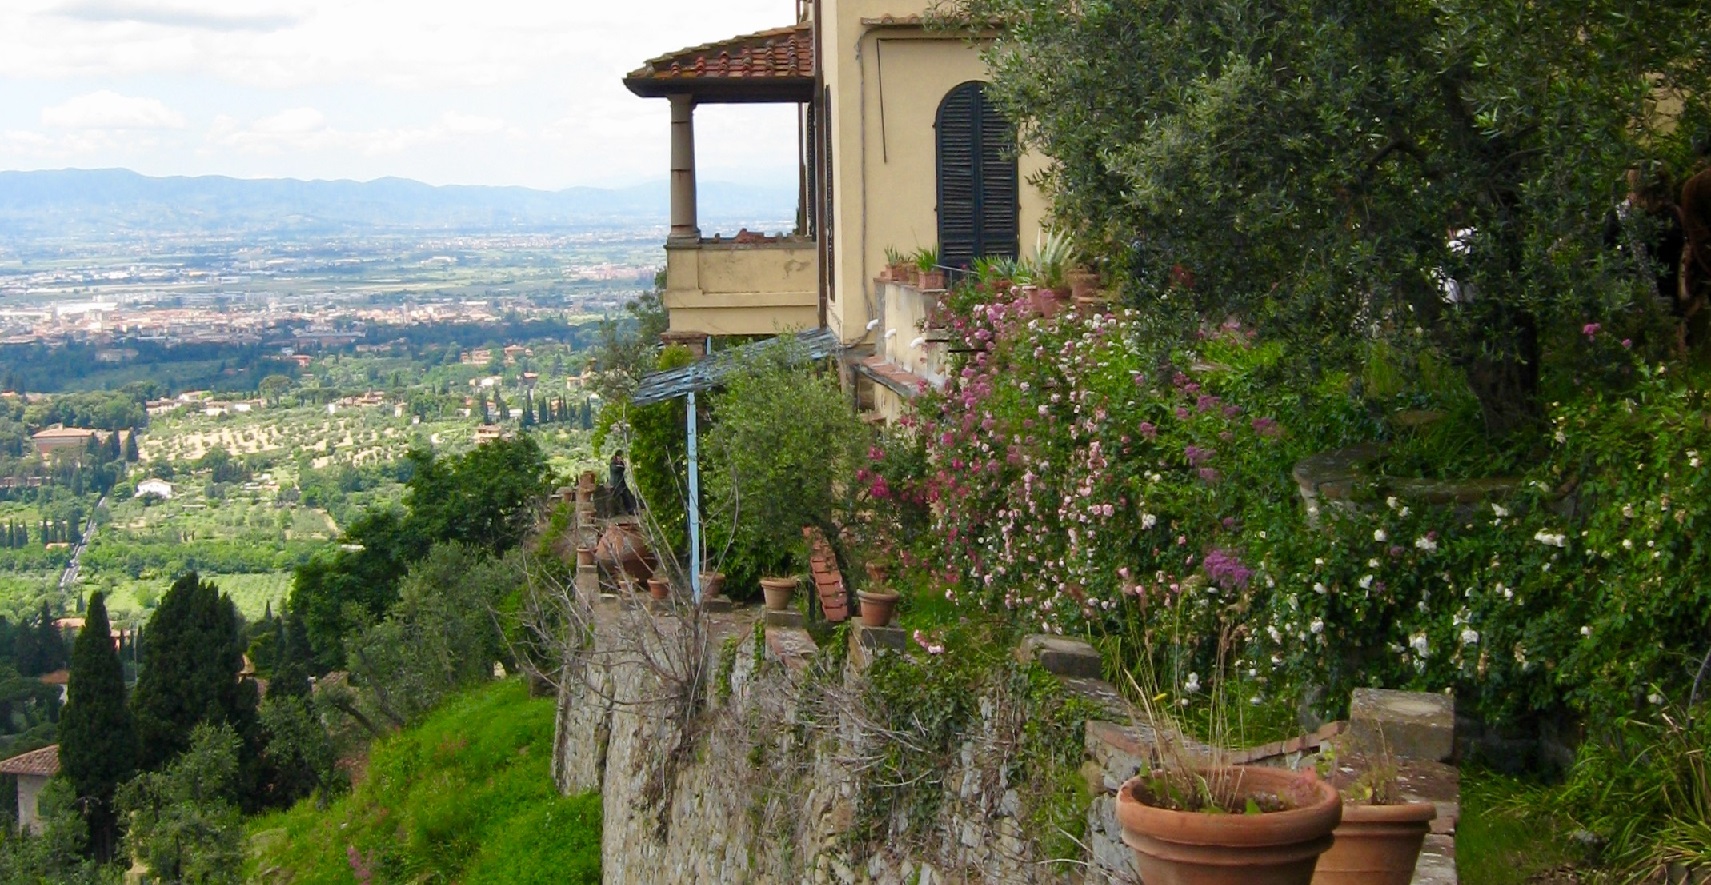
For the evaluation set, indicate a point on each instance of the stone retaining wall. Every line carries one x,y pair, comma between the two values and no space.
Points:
765,790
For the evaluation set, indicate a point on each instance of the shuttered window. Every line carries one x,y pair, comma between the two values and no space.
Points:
979,205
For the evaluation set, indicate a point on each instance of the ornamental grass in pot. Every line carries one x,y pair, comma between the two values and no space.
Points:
1228,825
1379,839
1195,819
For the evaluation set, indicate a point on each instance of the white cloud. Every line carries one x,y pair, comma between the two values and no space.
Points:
307,129
110,110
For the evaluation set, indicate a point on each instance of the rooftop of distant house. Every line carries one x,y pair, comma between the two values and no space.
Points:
43,762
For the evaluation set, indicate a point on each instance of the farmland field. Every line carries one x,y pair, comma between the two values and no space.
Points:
254,487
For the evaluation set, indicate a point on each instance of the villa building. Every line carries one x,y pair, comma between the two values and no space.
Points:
900,148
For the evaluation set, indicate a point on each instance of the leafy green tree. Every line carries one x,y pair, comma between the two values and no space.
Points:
299,758
192,653
57,856
441,636
782,447
97,739
337,594
484,497
1328,170
184,820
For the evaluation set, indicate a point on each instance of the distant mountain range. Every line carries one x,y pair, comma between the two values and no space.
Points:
93,202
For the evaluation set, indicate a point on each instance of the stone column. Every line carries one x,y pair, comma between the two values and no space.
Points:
683,224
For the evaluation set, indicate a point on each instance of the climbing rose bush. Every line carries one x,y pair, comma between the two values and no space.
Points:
1083,483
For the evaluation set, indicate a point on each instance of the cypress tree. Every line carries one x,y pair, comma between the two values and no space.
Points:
192,654
131,453
97,739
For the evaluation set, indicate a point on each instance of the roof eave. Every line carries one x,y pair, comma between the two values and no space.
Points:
724,90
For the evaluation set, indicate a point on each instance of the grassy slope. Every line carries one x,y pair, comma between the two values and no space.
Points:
466,797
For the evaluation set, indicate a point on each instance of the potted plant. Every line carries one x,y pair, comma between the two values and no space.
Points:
1053,257
878,605
928,274
712,584
778,591
1233,825
894,264
1379,839
659,589
878,600
584,556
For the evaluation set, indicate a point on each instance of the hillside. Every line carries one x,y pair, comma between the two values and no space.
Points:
117,203
467,796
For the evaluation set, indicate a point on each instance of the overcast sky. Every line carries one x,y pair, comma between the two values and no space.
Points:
522,92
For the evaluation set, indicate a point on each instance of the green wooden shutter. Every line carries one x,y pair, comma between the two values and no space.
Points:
978,193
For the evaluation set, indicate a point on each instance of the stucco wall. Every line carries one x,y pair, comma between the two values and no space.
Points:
29,793
742,288
886,85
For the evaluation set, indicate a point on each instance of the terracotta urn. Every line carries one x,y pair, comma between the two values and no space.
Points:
659,589
877,607
778,592
623,549
712,584
1376,844
1198,848
585,482
1082,283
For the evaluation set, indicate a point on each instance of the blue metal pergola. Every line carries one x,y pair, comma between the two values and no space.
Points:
705,374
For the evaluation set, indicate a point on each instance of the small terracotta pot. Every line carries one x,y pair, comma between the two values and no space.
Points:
585,482
584,556
1376,844
1196,848
778,592
659,589
933,279
712,584
1082,283
877,607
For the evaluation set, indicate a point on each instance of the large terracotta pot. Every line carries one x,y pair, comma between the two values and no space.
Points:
1196,848
1376,845
712,584
622,548
778,592
877,607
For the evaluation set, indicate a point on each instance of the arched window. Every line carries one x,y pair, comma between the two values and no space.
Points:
979,205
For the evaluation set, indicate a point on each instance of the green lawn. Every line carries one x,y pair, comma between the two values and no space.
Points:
466,797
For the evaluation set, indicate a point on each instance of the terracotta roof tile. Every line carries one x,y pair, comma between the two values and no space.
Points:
778,54
43,762
828,581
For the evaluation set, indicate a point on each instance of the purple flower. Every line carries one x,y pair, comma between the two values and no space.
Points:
1197,455
1206,403
1266,426
1208,475
1590,330
1148,430
1225,568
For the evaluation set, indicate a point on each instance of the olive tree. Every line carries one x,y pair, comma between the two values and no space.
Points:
1435,172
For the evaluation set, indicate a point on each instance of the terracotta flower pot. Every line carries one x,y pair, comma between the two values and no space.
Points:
585,482
622,548
1082,283
584,556
712,584
659,589
1376,844
778,592
933,279
877,607
1196,848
